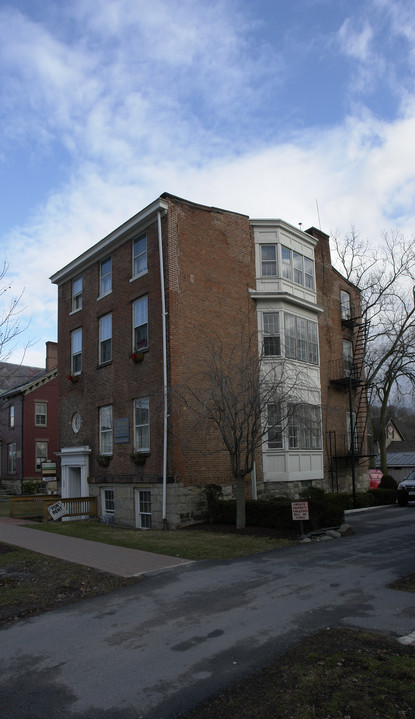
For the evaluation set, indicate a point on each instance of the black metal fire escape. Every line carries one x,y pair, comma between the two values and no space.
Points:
348,372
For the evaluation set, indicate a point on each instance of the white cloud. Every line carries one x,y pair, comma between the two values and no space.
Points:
161,96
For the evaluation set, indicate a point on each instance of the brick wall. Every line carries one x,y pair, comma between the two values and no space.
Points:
210,270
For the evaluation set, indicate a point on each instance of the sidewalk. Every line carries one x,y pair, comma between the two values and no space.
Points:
121,561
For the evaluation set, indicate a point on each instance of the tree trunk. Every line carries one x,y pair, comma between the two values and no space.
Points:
240,503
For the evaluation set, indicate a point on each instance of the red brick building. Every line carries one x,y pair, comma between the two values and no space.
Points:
28,420
132,330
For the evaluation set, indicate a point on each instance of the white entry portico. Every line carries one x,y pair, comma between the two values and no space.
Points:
75,471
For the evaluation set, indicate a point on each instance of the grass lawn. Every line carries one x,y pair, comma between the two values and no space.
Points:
186,543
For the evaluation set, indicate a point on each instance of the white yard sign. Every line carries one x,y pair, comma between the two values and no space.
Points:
56,510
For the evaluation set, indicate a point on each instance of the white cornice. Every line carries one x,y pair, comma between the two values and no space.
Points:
286,297
135,224
278,223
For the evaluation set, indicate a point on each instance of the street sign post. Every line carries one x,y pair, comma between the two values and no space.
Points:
300,513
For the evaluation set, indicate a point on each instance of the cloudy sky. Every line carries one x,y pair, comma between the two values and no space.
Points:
302,110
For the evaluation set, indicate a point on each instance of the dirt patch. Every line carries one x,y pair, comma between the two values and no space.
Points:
31,583
334,674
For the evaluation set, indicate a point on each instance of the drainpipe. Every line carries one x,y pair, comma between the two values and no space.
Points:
165,408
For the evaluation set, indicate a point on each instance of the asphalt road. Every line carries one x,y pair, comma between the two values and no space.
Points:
156,649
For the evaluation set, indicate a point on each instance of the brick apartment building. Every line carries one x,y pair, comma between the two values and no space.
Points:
132,329
28,420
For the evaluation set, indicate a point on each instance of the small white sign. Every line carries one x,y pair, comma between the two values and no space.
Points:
56,510
300,511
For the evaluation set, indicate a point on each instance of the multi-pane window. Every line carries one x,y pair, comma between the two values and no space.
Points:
11,457
294,267
108,500
144,508
11,416
347,358
304,426
105,276
105,429
105,338
140,324
141,425
272,337
268,260
76,351
139,256
274,426
41,414
77,294
345,305
301,339
41,451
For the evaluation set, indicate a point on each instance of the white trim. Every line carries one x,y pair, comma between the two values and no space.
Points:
101,248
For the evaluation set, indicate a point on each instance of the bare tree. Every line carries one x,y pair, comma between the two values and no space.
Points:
385,274
10,312
246,399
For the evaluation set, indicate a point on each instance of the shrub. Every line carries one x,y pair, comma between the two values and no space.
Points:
30,486
326,509
212,493
388,482
362,500
383,496
273,513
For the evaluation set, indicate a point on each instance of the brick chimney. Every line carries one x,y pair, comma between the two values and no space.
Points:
51,355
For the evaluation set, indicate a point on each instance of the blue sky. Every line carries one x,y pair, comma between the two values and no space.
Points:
302,110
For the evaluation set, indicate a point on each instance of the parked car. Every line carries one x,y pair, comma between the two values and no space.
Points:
406,490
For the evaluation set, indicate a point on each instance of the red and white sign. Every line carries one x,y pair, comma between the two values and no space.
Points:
300,511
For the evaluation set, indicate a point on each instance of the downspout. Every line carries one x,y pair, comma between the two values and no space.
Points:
165,408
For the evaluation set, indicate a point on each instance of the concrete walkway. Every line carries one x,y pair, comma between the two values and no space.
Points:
121,561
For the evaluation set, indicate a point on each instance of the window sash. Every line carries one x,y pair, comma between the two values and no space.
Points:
286,263
274,426
308,273
41,414
76,351
11,457
144,508
268,260
105,429
141,425
106,276
139,256
272,336
105,338
11,416
298,268
347,358
77,294
108,501
345,305
42,453
140,322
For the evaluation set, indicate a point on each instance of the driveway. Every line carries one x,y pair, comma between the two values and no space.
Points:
157,648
